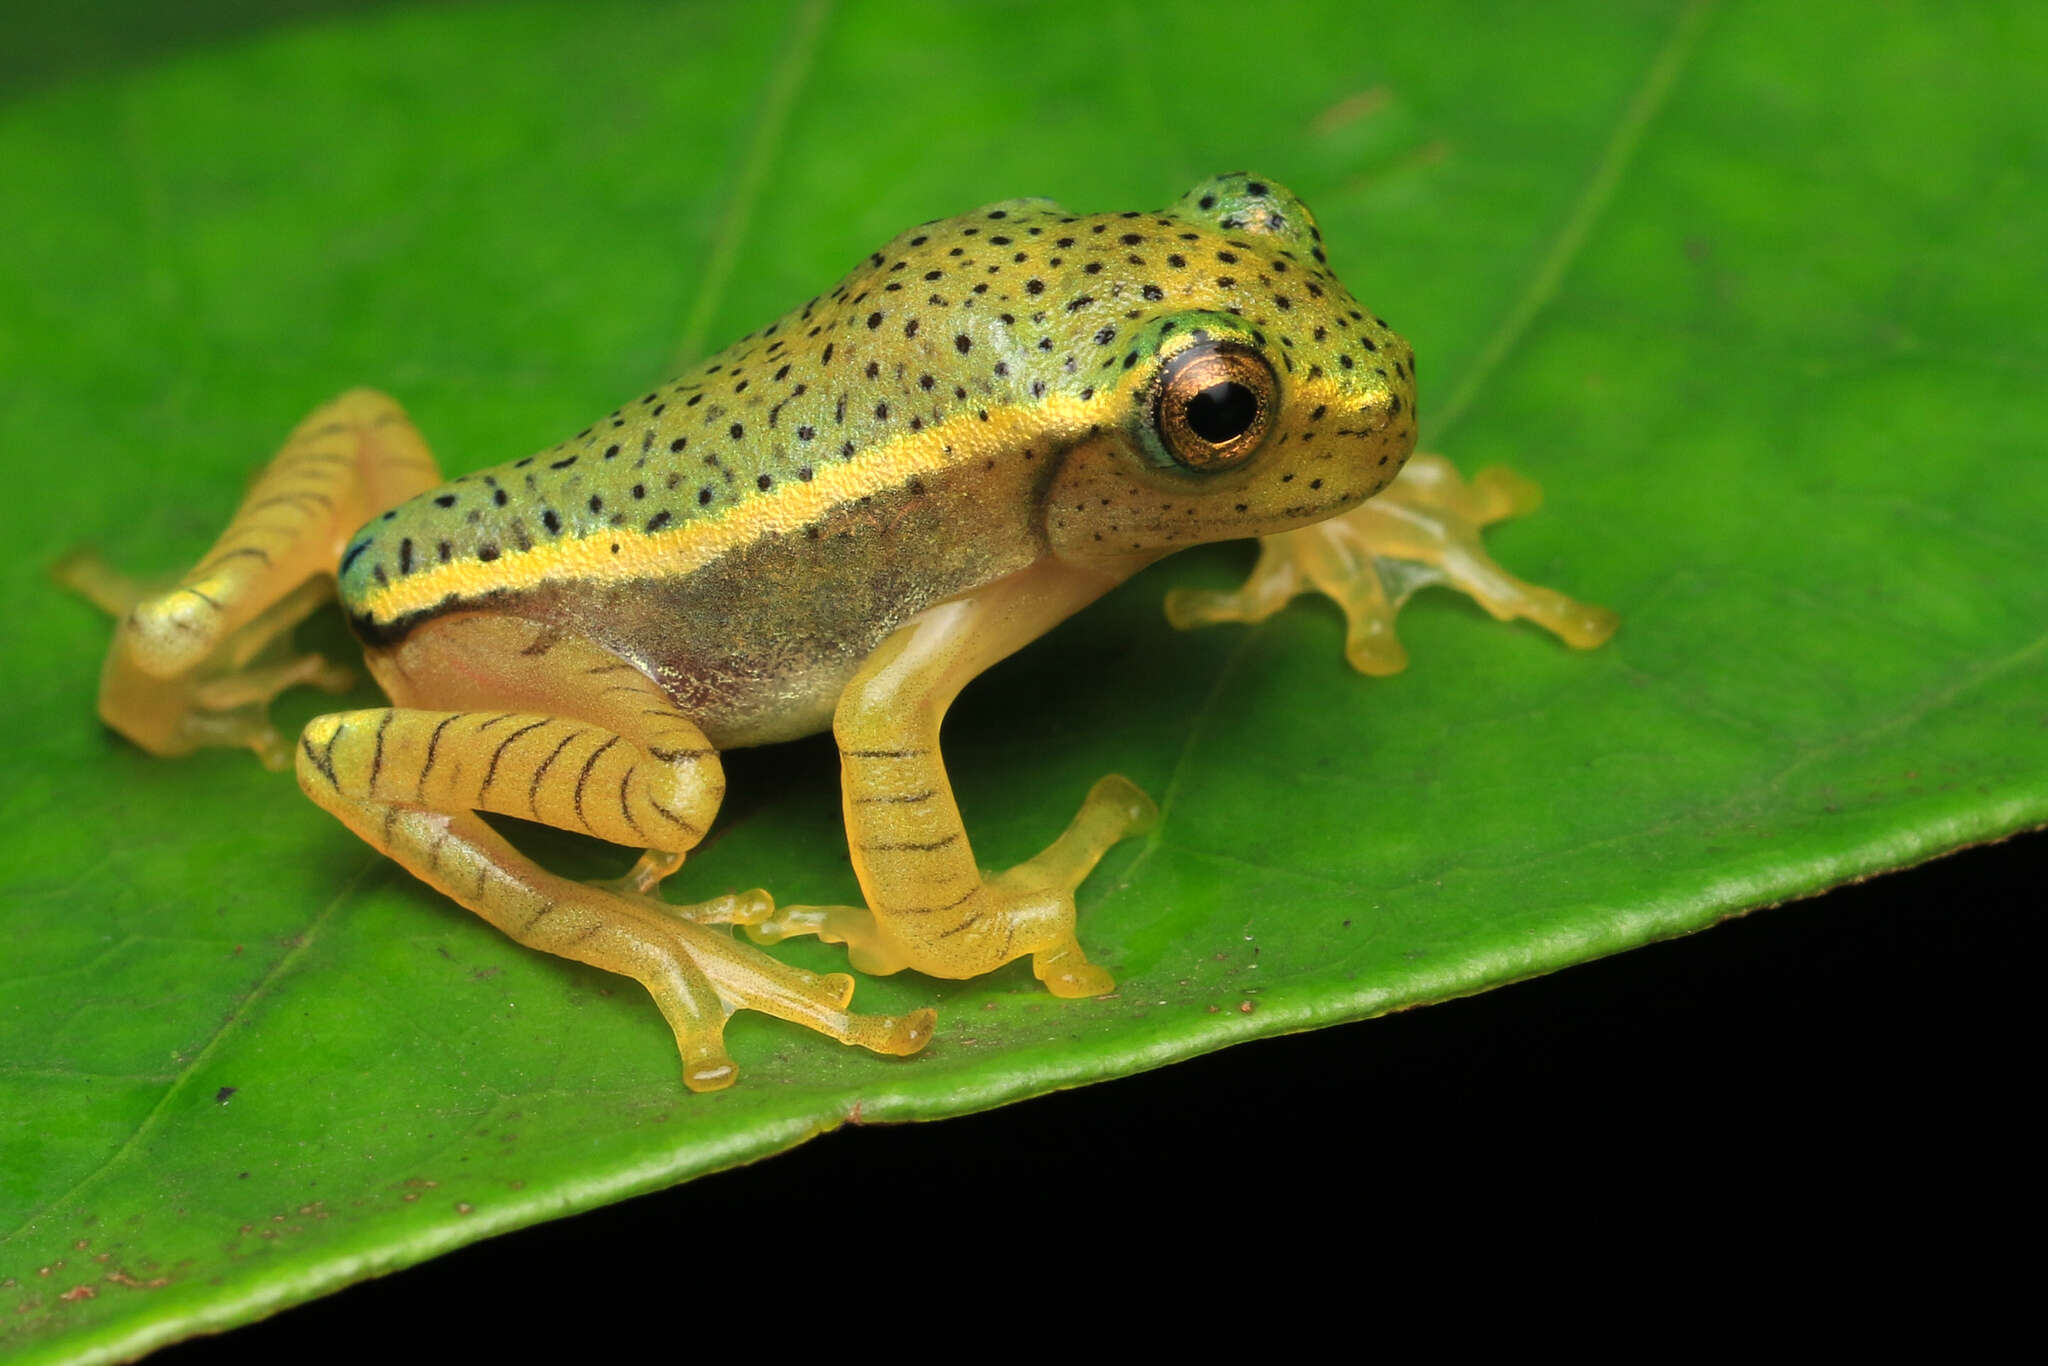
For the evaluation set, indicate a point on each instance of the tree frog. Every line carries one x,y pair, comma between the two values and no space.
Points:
834,523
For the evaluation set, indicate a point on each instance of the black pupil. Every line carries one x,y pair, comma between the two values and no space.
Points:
1222,412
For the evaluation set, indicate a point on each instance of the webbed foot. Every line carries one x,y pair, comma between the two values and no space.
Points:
743,978
1027,910
642,884
1423,529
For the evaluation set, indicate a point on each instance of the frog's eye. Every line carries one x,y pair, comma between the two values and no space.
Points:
1213,405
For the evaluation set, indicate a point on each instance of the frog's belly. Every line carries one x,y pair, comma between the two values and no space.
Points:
757,646
750,670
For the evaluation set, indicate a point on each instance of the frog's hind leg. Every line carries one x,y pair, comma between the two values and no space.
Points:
196,663
367,768
571,736
1423,529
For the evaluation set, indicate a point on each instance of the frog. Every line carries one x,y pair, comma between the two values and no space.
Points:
832,525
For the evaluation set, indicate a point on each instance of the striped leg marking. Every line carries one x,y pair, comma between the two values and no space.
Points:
409,782
197,663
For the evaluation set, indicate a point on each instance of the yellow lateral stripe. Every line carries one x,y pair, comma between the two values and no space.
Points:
788,507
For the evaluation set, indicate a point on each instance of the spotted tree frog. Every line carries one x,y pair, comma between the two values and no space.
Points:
835,523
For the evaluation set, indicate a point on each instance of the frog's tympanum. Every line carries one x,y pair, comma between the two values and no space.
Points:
836,522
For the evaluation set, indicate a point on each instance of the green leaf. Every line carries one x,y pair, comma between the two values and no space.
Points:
1753,292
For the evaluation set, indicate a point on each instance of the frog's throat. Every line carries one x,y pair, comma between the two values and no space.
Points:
610,553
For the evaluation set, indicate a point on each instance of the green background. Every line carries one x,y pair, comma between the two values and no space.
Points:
1752,290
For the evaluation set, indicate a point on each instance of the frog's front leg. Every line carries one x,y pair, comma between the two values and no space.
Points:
498,714
1423,529
930,908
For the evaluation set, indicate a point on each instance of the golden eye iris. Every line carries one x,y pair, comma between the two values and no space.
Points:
1213,406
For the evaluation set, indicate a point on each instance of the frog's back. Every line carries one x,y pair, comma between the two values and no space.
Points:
759,523
847,400
884,446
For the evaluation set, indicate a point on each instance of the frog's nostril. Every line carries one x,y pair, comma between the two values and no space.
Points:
1372,416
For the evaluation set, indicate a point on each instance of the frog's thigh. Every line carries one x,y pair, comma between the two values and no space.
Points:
490,664
409,782
196,664
929,907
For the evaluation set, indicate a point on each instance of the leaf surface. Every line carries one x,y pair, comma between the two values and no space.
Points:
1752,291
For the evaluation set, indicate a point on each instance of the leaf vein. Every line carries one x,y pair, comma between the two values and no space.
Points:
784,82
1614,161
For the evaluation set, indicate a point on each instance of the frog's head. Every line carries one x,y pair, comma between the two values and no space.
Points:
1250,393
